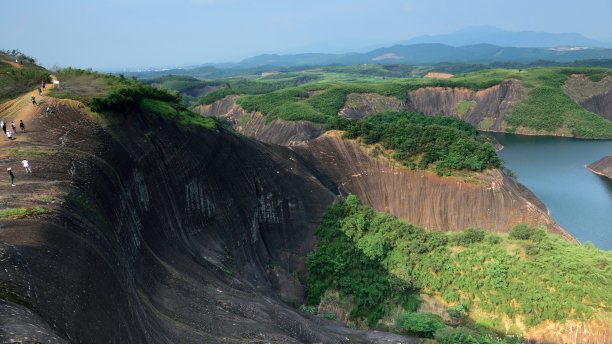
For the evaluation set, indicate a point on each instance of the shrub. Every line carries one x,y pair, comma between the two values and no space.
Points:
421,324
457,311
469,236
524,232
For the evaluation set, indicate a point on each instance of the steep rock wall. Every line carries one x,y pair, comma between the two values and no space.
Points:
360,105
603,167
285,133
593,96
439,203
161,235
493,201
600,104
487,110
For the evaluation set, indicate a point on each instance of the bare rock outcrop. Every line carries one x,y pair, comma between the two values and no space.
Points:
494,202
360,105
159,234
488,200
602,167
593,96
278,131
485,109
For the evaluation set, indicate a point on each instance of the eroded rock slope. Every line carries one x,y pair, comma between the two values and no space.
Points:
603,166
152,233
494,201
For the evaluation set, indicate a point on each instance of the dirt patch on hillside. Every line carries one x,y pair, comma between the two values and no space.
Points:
435,75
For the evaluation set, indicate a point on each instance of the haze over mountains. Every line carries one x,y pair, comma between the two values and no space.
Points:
496,36
478,45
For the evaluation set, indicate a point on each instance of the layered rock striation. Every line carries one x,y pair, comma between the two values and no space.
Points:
158,234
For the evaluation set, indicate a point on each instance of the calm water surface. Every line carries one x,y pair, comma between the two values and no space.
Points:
554,169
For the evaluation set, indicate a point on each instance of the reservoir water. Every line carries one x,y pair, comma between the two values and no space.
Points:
554,169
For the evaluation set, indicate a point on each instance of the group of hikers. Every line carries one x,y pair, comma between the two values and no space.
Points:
40,93
25,163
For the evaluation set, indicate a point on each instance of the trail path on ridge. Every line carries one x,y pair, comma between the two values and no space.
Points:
42,187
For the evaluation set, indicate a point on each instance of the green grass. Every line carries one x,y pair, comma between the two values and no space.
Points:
546,109
116,94
15,81
22,212
176,113
377,260
47,198
486,123
464,106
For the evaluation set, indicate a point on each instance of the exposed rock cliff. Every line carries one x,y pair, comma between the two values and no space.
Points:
593,96
488,200
603,167
485,109
495,202
360,105
159,234
286,133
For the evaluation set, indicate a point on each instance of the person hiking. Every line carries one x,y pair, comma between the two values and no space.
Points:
22,126
14,127
40,91
11,176
3,126
33,100
43,84
26,165
9,135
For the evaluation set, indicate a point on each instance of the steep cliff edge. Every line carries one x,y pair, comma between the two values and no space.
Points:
150,232
485,109
603,167
487,200
495,202
281,132
595,96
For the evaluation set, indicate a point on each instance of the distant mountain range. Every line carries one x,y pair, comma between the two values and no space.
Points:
472,45
432,53
496,36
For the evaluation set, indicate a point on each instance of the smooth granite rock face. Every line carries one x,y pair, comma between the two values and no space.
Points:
492,201
161,234
603,166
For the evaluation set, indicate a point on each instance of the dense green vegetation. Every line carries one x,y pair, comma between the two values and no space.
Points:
320,101
116,94
547,108
253,87
21,212
419,141
379,262
18,78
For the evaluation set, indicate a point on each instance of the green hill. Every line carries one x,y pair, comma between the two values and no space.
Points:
545,110
490,283
19,74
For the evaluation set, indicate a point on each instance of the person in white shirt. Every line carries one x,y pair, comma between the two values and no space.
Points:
26,165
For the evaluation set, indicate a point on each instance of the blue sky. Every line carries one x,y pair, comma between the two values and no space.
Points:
140,33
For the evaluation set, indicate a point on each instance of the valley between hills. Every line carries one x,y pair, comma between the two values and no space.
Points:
348,204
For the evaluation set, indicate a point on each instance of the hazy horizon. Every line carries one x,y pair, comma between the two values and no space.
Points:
131,34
